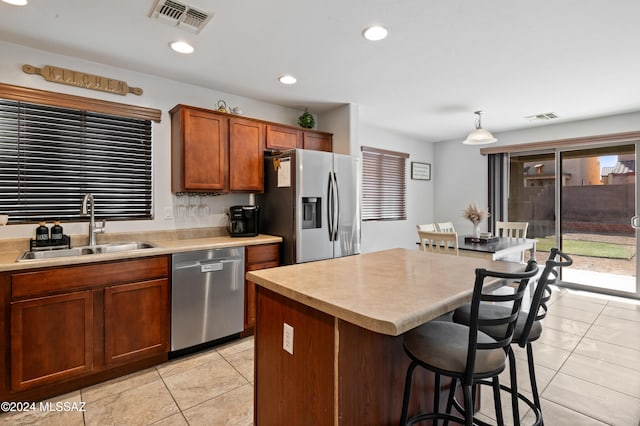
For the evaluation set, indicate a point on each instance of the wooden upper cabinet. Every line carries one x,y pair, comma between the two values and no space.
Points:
283,137
199,140
246,154
317,141
218,152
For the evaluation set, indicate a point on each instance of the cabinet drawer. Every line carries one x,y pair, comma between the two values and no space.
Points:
28,284
263,253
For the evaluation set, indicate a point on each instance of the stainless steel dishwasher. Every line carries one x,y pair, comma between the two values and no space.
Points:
207,297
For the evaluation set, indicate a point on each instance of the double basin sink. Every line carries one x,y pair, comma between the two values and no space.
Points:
84,250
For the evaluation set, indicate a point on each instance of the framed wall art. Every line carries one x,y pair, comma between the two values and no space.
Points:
420,171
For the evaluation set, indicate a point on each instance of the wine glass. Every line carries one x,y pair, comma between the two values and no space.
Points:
181,206
203,207
193,205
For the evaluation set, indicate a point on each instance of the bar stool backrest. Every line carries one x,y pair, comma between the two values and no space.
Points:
506,323
542,293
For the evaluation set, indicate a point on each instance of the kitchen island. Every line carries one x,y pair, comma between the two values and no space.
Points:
343,363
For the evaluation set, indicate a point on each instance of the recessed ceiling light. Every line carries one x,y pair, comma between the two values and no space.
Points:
375,33
181,47
287,79
16,2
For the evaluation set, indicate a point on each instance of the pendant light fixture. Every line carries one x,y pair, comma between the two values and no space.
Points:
479,136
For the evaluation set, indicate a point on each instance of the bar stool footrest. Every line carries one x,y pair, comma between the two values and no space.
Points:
521,397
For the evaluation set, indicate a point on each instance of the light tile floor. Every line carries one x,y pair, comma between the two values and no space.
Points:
587,361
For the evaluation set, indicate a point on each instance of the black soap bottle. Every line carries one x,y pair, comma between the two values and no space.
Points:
56,233
42,235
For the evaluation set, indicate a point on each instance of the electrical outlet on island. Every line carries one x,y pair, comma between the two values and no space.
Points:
287,338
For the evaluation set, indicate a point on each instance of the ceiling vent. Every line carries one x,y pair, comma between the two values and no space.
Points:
180,15
542,117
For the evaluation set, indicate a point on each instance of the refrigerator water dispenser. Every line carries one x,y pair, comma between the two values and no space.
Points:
311,212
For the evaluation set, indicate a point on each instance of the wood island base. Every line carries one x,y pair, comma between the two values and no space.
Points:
338,374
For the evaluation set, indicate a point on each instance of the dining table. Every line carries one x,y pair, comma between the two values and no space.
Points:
328,336
497,248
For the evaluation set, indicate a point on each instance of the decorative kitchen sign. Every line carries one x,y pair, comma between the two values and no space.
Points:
81,79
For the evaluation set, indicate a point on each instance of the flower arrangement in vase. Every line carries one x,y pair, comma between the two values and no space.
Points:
475,215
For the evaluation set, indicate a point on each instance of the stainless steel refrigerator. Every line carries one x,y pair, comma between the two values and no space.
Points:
312,200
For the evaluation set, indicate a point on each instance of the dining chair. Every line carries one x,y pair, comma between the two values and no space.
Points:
512,229
439,242
427,227
528,326
465,353
446,227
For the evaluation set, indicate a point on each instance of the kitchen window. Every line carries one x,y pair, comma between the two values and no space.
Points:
50,156
384,184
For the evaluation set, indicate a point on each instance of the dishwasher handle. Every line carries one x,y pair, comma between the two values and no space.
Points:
206,265
211,267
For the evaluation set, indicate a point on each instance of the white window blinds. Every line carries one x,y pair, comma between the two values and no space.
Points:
51,156
383,184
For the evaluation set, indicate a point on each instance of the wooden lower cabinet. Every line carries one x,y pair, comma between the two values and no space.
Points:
256,257
136,319
70,327
51,339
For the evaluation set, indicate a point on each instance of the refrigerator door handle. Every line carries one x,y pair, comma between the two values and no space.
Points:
336,205
330,206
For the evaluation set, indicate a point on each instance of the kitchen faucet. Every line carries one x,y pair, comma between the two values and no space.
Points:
93,228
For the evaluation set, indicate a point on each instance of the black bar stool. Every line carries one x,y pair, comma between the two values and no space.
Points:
528,327
463,352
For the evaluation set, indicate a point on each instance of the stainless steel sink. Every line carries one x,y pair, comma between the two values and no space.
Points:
118,247
85,250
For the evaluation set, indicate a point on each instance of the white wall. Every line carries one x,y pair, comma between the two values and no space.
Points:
158,93
460,171
381,235
343,124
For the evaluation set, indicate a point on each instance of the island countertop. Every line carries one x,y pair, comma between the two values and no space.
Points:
388,292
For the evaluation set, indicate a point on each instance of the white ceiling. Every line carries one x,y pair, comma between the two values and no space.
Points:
443,59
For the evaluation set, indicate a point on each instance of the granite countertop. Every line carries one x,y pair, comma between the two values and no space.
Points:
164,242
388,292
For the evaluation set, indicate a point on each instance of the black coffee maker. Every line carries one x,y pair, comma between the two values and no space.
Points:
243,221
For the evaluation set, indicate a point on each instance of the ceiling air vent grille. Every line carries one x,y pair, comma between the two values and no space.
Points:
542,117
179,14
171,10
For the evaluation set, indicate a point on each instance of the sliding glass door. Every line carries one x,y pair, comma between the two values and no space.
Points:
581,201
598,200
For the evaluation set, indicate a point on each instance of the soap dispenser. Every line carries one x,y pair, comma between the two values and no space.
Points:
56,233
42,235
